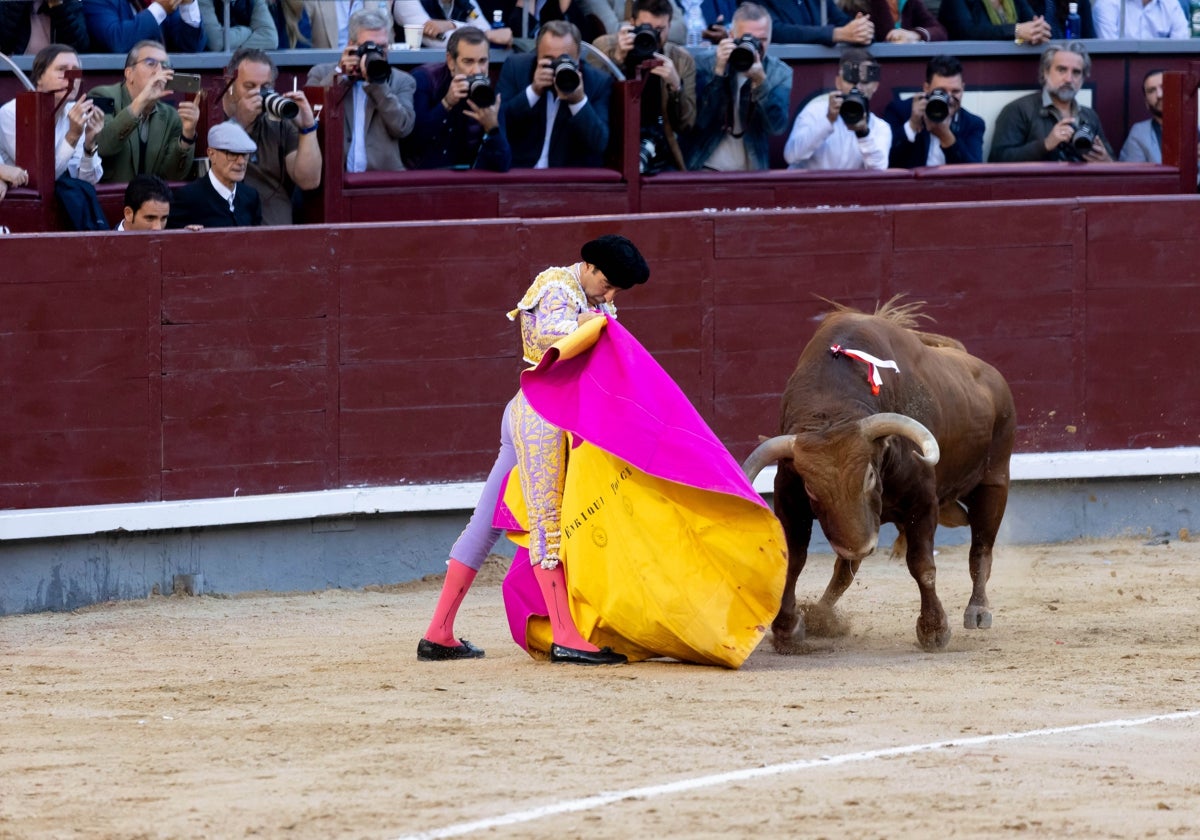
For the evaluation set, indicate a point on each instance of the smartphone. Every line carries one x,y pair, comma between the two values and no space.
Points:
105,103
184,83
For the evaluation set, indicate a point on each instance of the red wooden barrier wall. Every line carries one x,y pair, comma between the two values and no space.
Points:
188,365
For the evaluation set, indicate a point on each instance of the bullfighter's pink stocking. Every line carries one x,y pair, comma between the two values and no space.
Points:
459,578
553,583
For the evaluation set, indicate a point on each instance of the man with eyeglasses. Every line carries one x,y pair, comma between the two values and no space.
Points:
925,134
144,134
117,25
669,72
220,199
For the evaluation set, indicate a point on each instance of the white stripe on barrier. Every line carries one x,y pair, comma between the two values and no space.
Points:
685,785
41,523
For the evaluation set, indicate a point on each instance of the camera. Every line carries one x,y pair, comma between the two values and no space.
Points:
937,106
278,106
1083,138
480,91
378,70
645,42
854,104
746,51
567,77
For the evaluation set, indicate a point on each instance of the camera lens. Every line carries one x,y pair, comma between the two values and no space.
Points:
937,106
1083,138
378,70
645,42
745,53
566,74
278,106
853,107
480,91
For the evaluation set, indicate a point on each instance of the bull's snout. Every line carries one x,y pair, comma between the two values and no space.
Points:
857,553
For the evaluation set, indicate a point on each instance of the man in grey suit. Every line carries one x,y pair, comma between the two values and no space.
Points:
379,105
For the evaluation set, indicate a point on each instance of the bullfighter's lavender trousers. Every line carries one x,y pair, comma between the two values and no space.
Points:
480,535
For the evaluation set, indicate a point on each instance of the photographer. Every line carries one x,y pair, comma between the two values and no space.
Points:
379,107
283,127
839,131
458,111
1050,124
555,109
641,49
742,97
144,134
932,127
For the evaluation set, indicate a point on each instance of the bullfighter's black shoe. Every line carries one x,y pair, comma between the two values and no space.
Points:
604,656
428,651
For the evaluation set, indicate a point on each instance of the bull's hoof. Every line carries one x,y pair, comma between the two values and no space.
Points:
977,618
824,622
934,637
787,645
788,637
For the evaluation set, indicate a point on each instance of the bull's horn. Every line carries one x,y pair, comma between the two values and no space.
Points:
772,449
887,423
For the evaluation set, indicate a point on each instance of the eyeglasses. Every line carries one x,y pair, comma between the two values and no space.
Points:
234,155
154,63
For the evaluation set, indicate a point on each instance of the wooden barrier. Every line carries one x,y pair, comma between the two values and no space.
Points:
178,365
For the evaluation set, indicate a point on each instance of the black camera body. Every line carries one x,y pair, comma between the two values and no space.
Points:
1083,138
480,90
859,74
567,75
854,104
378,70
746,51
278,106
937,106
645,43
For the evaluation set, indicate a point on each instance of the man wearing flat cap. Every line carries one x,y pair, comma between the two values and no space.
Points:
220,199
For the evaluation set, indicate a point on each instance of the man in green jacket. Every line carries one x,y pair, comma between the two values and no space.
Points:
144,134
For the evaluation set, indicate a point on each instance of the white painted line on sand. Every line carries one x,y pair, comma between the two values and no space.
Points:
684,785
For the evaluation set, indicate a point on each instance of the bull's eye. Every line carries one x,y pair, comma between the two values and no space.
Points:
870,479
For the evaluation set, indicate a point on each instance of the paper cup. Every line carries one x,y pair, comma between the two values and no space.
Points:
412,35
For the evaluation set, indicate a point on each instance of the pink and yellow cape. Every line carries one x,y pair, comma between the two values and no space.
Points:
668,549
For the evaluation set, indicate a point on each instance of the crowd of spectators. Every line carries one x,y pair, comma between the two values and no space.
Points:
714,106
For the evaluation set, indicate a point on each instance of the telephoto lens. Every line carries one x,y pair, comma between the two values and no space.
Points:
480,91
853,107
746,50
645,42
937,106
1083,138
378,70
279,106
566,74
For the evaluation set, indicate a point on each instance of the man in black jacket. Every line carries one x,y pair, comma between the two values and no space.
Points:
944,132
220,199
28,25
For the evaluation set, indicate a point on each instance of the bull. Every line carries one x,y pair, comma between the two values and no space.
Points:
883,423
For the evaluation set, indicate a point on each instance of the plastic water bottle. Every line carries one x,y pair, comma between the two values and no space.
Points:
694,19
1196,18
1074,24
498,19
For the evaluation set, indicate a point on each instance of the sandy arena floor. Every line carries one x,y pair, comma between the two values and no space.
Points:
308,716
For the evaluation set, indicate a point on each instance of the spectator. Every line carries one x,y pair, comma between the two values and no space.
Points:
144,134
1145,20
981,20
515,17
288,155
379,107
250,25
839,131
799,22
912,24
220,199
330,20
736,110
147,204
1144,143
115,27
669,95
958,134
549,122
11,176
76,124
453,130
1055,12
1043,125
438,20
292,23
28,25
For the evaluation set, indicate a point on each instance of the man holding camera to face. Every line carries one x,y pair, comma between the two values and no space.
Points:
1050,124
458,111
641,50
742,97
839,131
379,106
143,133
932,127
555,108
282,126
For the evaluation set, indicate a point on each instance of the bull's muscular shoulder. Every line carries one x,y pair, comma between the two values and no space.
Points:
935,340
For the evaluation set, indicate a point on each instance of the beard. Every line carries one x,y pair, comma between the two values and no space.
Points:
1155,111
1063,93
